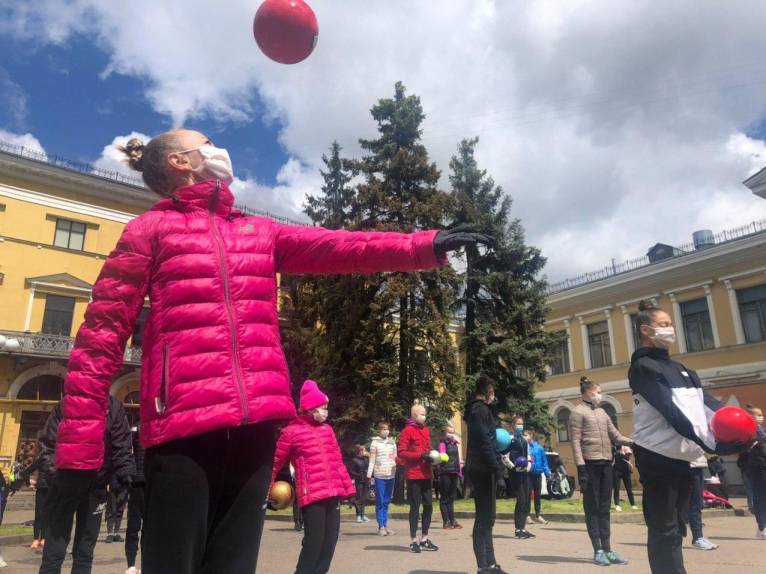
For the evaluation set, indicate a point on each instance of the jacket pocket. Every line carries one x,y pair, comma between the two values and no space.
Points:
161,400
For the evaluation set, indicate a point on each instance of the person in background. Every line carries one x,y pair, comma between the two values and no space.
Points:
694,516
382,469
3,500
449,474
518,462
757,415
717,468
358,472
68,498
414,451
623,469
136,502
41,494
482,465
297,514
592,434
310,445
116,501
538,469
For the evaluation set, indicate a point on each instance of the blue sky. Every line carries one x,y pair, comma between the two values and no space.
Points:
585,114
74,111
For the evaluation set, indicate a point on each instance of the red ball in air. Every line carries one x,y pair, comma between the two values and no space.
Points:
732,424
286,30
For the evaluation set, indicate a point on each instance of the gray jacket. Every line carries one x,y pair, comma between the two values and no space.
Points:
592,434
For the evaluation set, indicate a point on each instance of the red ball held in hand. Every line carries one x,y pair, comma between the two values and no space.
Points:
732,424
286,30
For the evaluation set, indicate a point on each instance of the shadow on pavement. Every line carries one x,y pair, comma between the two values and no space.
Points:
434,572
389,547
554,559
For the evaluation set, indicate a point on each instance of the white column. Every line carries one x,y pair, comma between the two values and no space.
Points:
608,315
679,323
28,318
711,312
585,345
628,330
568,326
739,331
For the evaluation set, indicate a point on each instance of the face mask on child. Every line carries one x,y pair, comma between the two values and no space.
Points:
452,436
216,164
420,419
519,429
320,415
759,420
384,434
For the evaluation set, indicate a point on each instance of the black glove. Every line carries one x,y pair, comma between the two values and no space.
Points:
426,456
582,477
457,237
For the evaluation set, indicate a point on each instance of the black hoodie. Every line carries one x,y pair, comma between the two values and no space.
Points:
482,444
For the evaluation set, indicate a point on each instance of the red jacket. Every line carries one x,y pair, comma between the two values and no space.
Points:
212,355
413,442
313,450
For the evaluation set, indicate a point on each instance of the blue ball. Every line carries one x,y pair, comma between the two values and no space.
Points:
503,438
521,461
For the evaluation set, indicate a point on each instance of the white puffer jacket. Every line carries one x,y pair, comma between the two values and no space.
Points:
382,458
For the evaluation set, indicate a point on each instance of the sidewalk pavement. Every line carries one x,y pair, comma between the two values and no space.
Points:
557,548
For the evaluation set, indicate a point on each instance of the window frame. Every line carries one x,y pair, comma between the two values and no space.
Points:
604,344
66,227
50,318
562,431
699,324
562,352
757,308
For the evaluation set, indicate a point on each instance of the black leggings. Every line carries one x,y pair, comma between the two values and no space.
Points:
521,485
625,479
136,509
321,526
41,494
448,494
484,490
419,491
115,508
537,487
597,501
205,497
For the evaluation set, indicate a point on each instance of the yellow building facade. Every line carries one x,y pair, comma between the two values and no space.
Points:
714,289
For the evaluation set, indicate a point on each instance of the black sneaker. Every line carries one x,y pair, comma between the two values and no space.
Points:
109,538
496,569
118,538
415,547
428,545
524,534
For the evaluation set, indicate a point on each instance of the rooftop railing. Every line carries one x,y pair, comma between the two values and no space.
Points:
44,345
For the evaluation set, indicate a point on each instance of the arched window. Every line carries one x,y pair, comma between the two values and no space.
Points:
612,412
133,398
42,388
562,422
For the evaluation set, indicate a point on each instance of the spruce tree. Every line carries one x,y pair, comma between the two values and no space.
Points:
504,297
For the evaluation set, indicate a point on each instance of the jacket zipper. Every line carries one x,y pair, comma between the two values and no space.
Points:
161,400
229,309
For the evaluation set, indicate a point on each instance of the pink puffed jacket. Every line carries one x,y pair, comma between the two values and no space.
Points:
313,450
212,355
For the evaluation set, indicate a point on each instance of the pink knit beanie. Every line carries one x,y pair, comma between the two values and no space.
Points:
311,396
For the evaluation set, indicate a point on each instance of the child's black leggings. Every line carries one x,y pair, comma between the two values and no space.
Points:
321,526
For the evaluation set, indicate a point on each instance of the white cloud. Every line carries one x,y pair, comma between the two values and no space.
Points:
113,159
27,141
611,129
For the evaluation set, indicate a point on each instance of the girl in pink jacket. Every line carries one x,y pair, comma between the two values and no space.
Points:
213,376
321,478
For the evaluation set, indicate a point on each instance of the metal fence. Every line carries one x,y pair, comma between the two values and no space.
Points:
740,232
44,345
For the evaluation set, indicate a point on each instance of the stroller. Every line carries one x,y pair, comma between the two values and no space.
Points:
712,497
560,484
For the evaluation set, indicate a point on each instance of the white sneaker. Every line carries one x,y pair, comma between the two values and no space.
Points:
541,520
761,534
634,507
704,544
359,519
3,563
132,570
617,508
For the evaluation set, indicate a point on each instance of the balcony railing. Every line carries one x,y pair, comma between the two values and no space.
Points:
44,345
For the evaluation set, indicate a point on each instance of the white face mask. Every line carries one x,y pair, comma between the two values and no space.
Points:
215,164
664,336
759,420
452,436
420,419
596,398
320,415
384,434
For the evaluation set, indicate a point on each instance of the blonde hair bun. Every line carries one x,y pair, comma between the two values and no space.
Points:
134,151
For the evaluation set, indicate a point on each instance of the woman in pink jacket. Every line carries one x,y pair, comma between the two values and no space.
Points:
321,478
213,377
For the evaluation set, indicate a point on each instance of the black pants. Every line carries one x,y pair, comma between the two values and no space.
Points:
136,509
115,508
597,501
321,526
536,485
360,499
694,517
757,477
205,501
41,495
419,491
625,479
521,485
484,491
667,490
448,490
87,504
